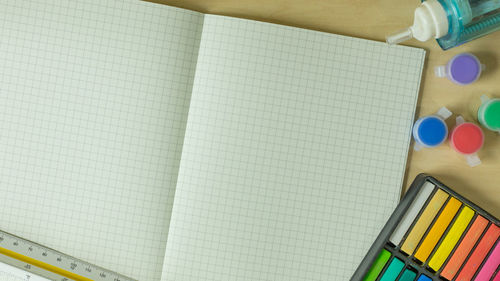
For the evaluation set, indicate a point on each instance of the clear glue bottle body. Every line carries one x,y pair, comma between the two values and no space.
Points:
451,22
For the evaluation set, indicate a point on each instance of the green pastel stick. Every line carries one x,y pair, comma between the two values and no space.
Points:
377,266
392,272
408,275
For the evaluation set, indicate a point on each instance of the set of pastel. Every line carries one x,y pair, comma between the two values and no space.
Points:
434,234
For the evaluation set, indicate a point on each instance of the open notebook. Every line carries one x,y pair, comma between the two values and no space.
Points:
285,148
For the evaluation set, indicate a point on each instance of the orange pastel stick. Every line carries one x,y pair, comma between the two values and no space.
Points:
437,230
479,254
464,248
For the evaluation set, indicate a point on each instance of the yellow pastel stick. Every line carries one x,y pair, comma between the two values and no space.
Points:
424,221
437,230
451,239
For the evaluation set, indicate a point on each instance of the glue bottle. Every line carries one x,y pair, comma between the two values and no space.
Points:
451,22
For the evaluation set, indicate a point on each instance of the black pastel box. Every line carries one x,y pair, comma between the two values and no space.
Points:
434,234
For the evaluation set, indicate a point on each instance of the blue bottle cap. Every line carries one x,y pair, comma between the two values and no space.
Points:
430,131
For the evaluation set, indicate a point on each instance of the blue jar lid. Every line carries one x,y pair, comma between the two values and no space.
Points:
430,131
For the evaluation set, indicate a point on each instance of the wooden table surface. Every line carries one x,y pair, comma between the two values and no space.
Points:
374,19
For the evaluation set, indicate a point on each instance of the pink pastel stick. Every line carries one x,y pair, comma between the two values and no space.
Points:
490,266
497,278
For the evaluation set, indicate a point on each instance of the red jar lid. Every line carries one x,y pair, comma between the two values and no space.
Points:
467,138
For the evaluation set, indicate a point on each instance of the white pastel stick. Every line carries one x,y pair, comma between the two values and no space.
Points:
412,212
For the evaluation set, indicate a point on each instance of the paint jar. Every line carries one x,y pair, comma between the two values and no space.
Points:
462,69
488,113
467,139
431,131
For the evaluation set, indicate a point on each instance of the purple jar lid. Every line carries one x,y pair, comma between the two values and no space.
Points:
464,69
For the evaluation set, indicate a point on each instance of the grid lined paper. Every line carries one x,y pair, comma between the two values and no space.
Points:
294,152
11,273
5,276
94,98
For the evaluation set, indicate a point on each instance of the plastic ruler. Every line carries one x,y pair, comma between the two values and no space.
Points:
26,260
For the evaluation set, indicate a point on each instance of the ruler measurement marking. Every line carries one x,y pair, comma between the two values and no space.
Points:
37,257
43,265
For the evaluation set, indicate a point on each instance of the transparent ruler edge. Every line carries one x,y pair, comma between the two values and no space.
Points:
49,263
17,269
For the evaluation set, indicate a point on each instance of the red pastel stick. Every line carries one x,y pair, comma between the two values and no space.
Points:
497,278
490,266
477,257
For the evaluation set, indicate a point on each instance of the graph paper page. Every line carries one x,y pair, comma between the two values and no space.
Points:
11,273
294,152
94,98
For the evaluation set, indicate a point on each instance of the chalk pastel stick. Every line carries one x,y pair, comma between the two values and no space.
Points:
453,265
409,217
482,249
437,230
451,239
497,277
393,270
424,278
408,275
491,265
424,221
378,266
